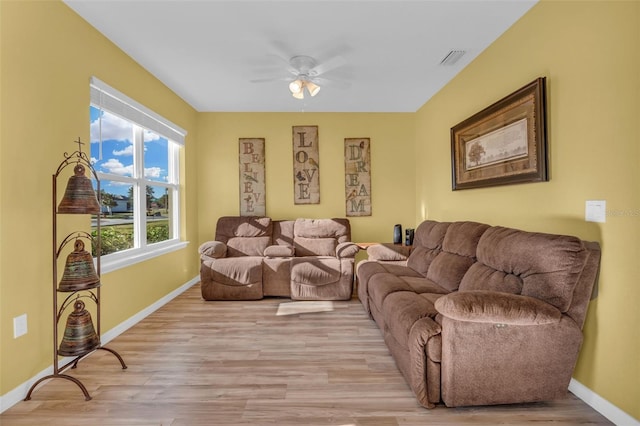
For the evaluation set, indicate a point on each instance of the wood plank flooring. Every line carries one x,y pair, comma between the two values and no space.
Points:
268,362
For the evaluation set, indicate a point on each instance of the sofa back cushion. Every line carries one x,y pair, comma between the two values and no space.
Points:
427,243
457,255
319,237
283,232
244,235
539,265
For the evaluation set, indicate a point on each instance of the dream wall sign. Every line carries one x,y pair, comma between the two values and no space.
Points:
306,165
357,174
252,177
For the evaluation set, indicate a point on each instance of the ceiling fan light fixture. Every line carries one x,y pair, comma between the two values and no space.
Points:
312,88
296,86
298,95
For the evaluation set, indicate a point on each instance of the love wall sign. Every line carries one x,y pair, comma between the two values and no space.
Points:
306,165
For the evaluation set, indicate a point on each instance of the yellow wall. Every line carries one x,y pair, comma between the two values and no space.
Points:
587,50
392,170
48,55
590,54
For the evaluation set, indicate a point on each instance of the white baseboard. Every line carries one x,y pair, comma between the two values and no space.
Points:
601,405
16,395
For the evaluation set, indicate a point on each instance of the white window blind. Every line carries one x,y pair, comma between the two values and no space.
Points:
106,97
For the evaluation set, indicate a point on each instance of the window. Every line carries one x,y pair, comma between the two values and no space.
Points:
135,154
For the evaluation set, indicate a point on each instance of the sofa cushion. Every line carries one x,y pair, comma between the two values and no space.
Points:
337,228
279,251
427,243
347,250
434,348
401,310
244,235
315,246
423,285
448,269
283,232
315,271
319,237
242,226
462,238
236,271
243,246
215,249
382,285
549,266
458,252
371,268
387,252
482,277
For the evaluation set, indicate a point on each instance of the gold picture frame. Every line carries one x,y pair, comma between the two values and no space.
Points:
506,143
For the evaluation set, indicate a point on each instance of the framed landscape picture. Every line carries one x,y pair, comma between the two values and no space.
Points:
506,143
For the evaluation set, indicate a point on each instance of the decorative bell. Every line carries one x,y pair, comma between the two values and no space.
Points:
79,336
79,197
79,273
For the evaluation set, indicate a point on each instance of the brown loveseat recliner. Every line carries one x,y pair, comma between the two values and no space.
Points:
253,257
479,314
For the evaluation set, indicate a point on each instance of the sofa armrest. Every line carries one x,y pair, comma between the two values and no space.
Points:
213,249
388,252
346,249
279,251
495,307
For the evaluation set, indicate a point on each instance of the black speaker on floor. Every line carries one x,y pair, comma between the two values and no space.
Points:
397,234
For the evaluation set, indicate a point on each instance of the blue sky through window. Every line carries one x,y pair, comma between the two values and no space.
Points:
117,151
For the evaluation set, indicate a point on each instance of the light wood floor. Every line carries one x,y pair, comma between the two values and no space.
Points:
269,362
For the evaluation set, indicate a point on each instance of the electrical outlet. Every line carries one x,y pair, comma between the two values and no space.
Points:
19,326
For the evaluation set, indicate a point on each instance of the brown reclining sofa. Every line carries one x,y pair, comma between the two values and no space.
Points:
253,257
479,314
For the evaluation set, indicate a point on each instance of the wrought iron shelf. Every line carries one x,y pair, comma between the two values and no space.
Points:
75,293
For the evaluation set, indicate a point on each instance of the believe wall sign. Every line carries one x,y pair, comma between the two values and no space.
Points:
306,165
357,174
252,177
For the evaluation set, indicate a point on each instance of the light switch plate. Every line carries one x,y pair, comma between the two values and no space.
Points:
19,326
595,211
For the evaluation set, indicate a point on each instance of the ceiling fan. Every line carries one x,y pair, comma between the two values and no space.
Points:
306,74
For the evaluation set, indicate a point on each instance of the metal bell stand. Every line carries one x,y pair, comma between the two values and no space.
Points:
92,292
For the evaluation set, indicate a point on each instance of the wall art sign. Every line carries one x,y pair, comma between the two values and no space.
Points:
357,175
306,165
505,143
252,177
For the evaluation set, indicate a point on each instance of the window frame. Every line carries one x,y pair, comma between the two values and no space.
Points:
108,99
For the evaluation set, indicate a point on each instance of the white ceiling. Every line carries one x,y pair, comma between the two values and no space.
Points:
208,51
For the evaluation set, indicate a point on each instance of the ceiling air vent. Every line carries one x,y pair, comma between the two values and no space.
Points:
452,57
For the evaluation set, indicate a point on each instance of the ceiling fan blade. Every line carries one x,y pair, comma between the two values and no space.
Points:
283,53
285,64
270,79
340,84
329,65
